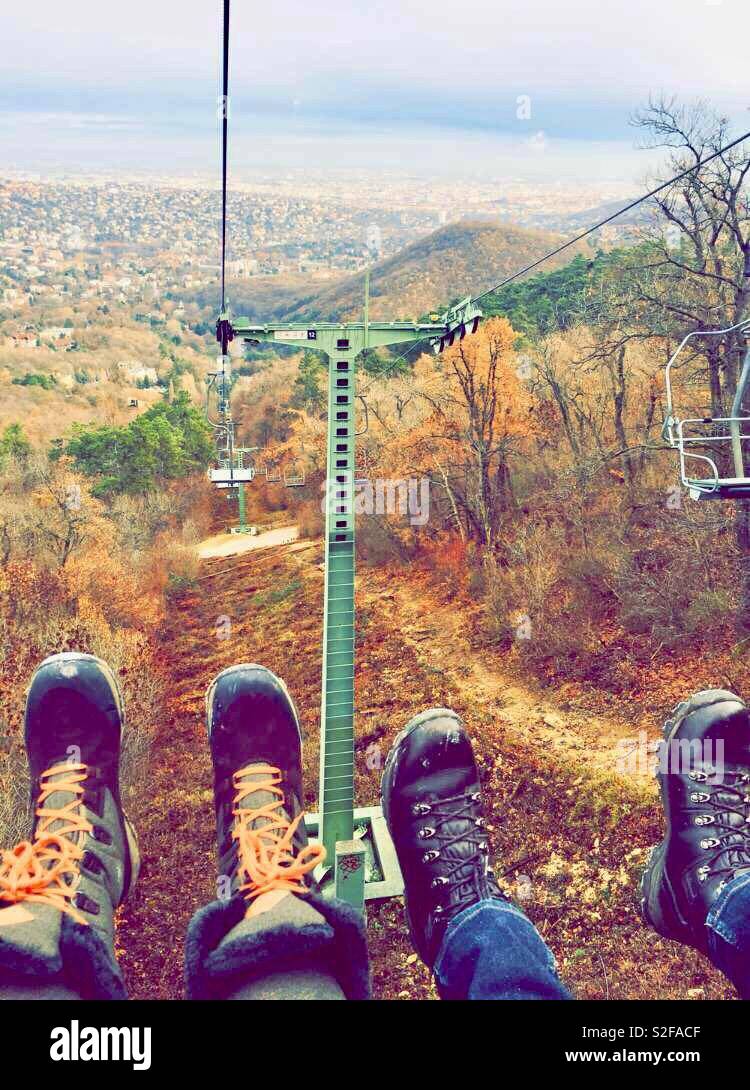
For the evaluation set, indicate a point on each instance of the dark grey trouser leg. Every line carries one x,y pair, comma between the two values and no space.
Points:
296,984
23,988
302,948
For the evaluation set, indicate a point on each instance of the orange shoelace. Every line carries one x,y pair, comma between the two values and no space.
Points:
46,871
266,854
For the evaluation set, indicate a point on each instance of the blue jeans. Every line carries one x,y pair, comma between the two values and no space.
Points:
728,926
492,951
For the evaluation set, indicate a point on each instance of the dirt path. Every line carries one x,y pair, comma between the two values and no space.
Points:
234,544
207,629
439,632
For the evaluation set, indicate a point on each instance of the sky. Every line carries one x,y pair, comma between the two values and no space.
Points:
537,88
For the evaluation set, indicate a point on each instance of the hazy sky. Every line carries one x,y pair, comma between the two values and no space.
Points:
89,74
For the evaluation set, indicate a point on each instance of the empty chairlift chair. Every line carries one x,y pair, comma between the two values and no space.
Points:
294,479
232,471
705,444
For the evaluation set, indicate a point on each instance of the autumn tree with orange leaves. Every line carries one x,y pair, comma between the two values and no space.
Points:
478,417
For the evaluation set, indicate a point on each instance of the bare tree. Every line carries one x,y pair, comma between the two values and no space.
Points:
691,271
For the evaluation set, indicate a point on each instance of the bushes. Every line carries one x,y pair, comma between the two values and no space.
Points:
45,612
171,440
708,612
629,591
178,564
310,520
47,382
378,543
14,791
104,595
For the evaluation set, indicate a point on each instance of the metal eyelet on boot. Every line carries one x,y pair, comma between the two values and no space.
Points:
711,842
476,796
699,796
420,808
86,904
430,856
426,833
91,863
439,881
703,873
705,819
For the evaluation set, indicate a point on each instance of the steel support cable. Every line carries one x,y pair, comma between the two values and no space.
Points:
224,108
614,216
584,234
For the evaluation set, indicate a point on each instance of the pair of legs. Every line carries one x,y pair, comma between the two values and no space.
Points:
269,933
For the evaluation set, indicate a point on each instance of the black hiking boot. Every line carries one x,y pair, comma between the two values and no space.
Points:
705,786
256,749
59,891
433,807
270,934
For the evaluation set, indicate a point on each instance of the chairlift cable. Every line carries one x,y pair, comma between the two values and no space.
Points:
614,216
459,317
224,111
578,238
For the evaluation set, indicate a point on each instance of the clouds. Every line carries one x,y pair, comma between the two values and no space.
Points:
583,64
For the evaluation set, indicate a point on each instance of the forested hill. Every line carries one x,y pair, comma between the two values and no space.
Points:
550,301
458,259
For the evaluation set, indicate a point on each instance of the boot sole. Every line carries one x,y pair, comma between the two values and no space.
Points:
658,903
699,700
80,656
131,839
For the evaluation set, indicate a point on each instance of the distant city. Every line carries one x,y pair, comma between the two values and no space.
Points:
129,240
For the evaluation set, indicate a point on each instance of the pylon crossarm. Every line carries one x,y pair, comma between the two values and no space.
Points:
333,337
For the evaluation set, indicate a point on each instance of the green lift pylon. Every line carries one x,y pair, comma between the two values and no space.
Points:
338,822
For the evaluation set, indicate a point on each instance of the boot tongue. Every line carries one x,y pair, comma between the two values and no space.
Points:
255,800
58,800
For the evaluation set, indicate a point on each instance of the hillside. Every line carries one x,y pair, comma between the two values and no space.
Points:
98,369
463,257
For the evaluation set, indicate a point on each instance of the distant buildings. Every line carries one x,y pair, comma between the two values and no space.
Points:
137,372
243,267
374,238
